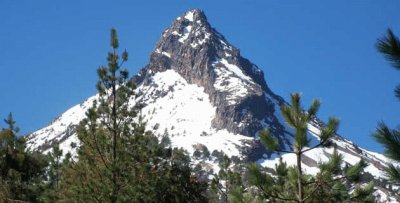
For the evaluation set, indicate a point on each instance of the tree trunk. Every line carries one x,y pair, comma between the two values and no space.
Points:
114,143
299,183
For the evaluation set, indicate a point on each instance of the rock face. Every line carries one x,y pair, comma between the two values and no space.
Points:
202,56
201,92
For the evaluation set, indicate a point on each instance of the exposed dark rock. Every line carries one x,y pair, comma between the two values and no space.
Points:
192,48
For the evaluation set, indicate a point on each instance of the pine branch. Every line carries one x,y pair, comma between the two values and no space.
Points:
389,46
276,196
364,192
390,139
99,151
334,180
393,172
310,194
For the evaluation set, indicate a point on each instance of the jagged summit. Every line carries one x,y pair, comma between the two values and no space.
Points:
202,56
194,15
191,39
192,27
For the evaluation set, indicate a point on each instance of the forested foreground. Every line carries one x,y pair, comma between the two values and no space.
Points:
118,160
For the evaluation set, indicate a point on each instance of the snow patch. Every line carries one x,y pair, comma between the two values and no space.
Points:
189,16
186,32
233,85
236,86
185,113
55,131
175,33
235,69
200,41
163,53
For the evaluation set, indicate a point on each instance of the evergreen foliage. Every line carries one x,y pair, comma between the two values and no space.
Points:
289,184
22,173
55,174
389,46
227,184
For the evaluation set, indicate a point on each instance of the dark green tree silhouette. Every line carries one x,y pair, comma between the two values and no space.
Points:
22,172
227,184
389,46
55,174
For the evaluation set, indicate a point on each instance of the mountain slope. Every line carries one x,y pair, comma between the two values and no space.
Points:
200,91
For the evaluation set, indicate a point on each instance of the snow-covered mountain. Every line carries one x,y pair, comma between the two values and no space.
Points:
200,91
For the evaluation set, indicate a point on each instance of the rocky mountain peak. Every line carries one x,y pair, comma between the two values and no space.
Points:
192,28
193,48
202,56
194,16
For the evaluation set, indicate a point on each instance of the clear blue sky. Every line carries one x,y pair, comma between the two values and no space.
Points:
50,50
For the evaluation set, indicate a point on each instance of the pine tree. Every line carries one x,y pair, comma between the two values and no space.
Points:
118,160
389,46
55,167
105,133
55,174
331,184
227,184
22,172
